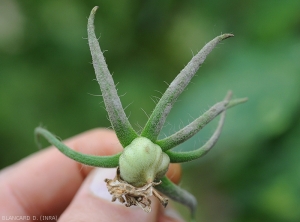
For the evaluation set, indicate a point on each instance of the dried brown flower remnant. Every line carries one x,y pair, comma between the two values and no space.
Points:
133,196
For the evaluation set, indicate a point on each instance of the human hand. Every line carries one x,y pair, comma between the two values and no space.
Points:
49,185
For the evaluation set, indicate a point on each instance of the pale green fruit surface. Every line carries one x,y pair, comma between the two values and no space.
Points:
142,162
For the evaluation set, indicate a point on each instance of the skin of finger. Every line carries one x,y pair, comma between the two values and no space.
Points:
45,182
169,214
174,172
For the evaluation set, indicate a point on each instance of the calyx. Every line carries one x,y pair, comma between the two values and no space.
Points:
133,196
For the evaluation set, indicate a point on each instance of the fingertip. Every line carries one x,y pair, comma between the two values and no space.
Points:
49,180
174,172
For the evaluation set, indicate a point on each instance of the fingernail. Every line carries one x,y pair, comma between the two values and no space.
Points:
98,185
173,214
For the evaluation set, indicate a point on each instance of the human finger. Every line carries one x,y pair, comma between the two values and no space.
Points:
45,182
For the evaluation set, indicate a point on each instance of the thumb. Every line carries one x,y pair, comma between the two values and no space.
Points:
93,203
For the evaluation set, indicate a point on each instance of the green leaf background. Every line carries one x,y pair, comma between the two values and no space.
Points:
253,174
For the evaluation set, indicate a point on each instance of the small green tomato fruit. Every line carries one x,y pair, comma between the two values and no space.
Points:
142,162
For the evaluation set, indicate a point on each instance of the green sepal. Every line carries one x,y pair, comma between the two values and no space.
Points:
165,104
178,194
195,126
180,157
123,129
90,160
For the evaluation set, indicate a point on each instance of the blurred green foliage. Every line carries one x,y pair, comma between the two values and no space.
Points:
253,174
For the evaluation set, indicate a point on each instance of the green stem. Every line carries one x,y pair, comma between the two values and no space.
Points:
90,160
116,114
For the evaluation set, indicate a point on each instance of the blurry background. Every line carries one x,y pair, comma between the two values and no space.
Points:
46,77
